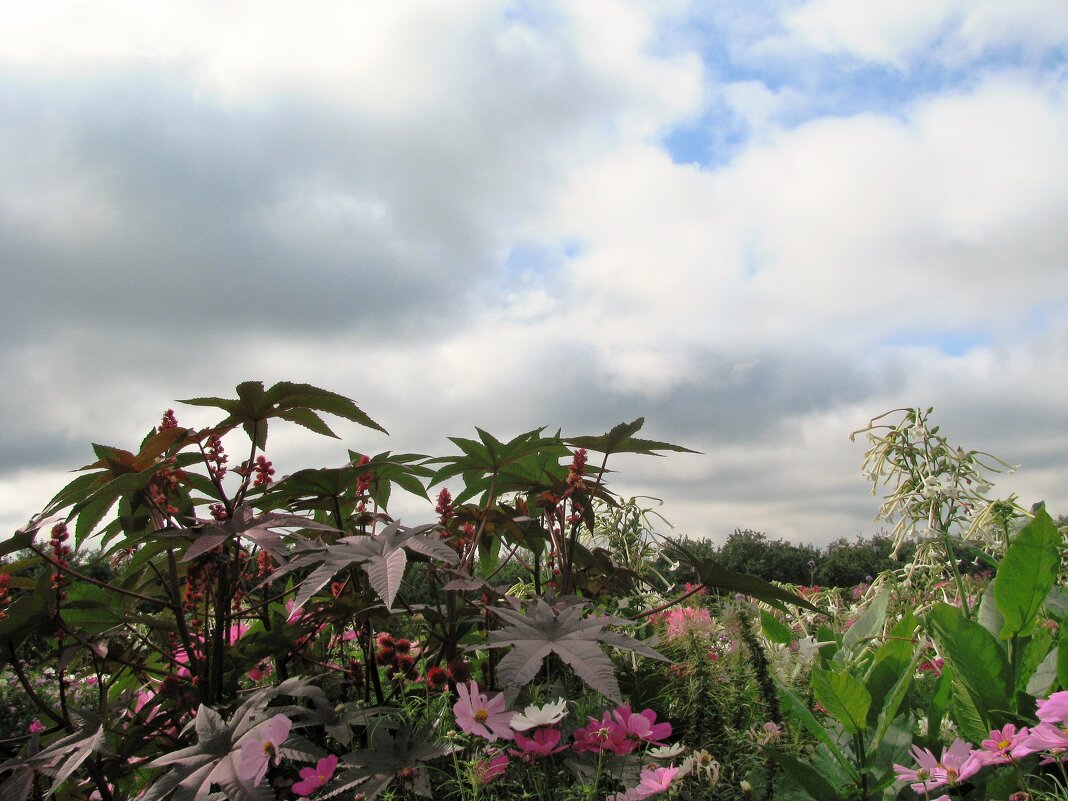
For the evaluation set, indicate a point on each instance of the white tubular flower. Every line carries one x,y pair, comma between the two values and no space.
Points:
534,716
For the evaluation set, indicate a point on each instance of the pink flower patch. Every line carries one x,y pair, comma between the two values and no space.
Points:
311,779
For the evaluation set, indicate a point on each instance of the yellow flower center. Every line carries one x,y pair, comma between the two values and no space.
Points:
482,716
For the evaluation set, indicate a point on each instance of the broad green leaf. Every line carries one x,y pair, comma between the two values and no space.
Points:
808,778
978,661
890,662
803,714
774,629
889,707
1027,574
988,615
868,626
843,696
1040,684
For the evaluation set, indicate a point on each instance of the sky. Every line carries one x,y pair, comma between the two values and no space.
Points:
757,224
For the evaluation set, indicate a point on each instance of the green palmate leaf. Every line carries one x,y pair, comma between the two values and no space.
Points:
381,556
1027,574
569,635
843,696
807,777
390,757
296,403
29,614
978,661
621,439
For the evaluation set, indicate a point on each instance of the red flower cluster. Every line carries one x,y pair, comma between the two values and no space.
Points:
216,458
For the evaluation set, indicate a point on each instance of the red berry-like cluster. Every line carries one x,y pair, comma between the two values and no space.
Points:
5,589
216,458
264,471
168,421
60,552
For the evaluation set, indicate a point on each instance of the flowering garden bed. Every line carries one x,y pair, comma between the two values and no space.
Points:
178,626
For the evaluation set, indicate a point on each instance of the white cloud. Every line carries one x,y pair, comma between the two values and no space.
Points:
893,32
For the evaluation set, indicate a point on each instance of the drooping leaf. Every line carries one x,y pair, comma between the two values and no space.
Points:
621,439
568,634
712,574
245,523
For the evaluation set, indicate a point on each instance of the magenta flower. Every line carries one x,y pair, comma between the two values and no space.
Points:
654,780
605,734
479,715
311,779
642,726
545,741
260,747
36,726
489,769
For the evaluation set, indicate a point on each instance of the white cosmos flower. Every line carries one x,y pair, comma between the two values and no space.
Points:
666,751
534,716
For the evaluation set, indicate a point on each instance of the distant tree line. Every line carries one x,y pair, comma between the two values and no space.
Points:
842,563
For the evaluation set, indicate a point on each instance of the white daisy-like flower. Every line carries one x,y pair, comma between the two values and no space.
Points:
666,751
534,716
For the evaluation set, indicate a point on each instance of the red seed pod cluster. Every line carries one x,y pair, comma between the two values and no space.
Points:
216,458
363,481
444,506
60,552
5,590
168,421
263,470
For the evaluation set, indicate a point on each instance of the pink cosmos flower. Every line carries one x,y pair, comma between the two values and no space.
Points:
654,780
926,776
643,725
605,734
958,762
311,779
489,769
999,747
1054,709
1044,737
260,747
476,714
545,741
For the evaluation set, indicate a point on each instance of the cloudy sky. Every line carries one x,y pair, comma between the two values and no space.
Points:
758,224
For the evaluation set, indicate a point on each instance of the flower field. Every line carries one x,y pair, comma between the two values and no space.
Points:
178,624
